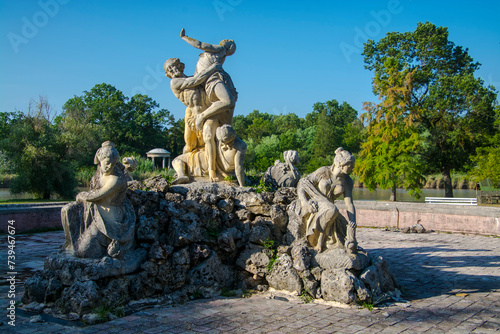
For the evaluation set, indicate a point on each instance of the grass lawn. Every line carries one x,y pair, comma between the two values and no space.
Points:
32,201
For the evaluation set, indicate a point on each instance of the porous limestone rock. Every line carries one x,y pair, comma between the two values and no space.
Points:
283,276
200,238
378,277
339,285
301,256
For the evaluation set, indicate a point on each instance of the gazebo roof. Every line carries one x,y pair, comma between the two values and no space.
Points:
159,152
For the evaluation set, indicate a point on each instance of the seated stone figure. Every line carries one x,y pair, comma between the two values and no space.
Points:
230,154
283,174
102,221
325,228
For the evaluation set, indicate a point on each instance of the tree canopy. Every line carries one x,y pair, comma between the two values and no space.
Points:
40,159
104,113
315,137
487,158
45,152
450,108
389,157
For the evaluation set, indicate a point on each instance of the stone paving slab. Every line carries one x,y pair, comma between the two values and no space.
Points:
451,283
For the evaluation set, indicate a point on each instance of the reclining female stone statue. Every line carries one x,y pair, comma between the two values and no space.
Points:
283,174
102,221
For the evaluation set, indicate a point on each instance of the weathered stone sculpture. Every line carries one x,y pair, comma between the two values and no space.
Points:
210,98
317,193
230,155
192,94
283,174
104,223
203,237
130,164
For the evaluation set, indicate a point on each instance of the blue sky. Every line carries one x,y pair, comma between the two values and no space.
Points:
290,54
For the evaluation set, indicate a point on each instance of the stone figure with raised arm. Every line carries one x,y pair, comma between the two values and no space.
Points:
230,155
317,193
191,92
220,92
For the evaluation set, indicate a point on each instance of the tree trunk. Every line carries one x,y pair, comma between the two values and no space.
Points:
393,194
448,187
46,194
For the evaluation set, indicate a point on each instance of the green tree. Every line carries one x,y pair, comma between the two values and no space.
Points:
305,148
285,123
354,136
331,120
144,126
487,158
134,124
260,126
7,121
174,136
240,125
267,152
41,162
452,109
389,157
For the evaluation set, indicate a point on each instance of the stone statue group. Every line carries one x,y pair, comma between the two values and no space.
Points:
129,240
211,146
101,222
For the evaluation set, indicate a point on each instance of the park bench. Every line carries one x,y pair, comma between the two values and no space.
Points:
451,200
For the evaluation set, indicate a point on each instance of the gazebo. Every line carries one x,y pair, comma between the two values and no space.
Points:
159,153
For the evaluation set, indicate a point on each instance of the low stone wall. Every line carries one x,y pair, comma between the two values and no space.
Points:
437,217
29,217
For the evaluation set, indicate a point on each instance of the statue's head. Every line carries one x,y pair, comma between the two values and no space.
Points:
173,68
229,45
344,160
130,163
107,157
291,157
225,134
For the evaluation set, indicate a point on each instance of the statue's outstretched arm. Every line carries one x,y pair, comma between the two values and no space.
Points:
201,45
196,80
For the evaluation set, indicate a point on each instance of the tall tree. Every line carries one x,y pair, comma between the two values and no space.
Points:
174,136
260,126
354,136
487,158
331,121
105,113
144,126
451,107
389,157
33,144
8,121
288,122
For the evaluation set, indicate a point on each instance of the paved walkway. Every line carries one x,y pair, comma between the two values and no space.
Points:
451,283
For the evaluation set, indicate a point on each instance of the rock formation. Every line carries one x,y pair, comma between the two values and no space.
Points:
201,238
